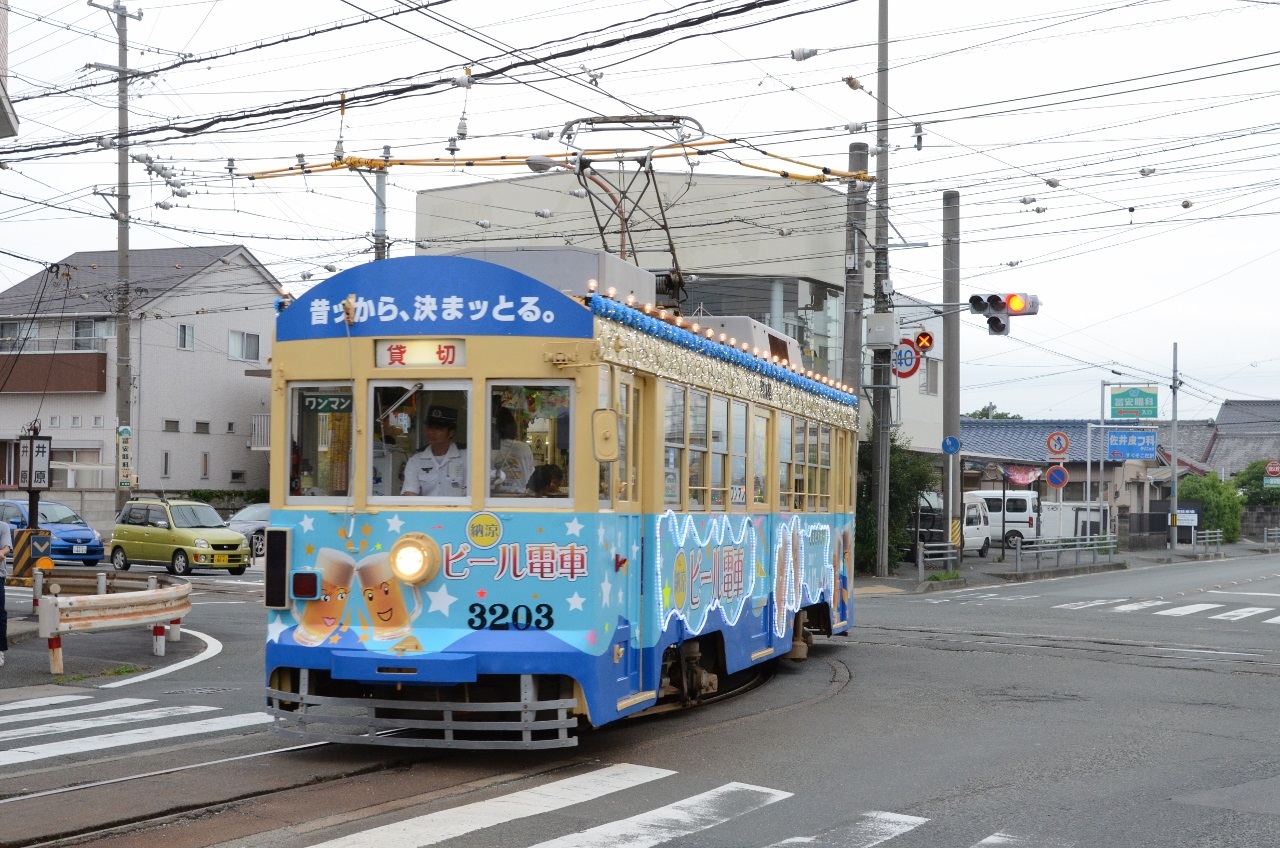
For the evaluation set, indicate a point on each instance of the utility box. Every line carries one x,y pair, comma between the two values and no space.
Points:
882,330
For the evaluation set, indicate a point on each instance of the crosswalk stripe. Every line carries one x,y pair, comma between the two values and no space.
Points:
97,722
137,736
682,818
1187,610
1236,615
1275,620
41,702
447,824
872,829
40,715
1008,840
1140,605
1084,604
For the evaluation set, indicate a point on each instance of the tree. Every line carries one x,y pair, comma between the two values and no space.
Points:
909,475
989,412
1222,506
1252,492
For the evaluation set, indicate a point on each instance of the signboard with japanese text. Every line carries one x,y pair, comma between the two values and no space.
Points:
1134,402
1131,444
419,353
433,296
124,457
33,462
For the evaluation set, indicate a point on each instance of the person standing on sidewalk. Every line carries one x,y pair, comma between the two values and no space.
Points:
6,545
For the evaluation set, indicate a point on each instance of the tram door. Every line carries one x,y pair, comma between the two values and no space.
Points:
628,553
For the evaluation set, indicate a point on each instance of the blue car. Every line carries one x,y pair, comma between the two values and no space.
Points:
73,539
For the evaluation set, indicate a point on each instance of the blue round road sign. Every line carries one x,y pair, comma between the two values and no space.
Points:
950,445
1056,477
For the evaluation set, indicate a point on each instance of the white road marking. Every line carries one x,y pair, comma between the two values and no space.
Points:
682,818
1134,607
1208,651
42,702
212,647
103,706
1236,615
1188,610
447,824
1085,604
1255,594
101,721
872,829
1025,841
1275,620
137,736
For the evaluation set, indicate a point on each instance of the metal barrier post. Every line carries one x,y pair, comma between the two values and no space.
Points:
919,559
1017,555
102,583
37,589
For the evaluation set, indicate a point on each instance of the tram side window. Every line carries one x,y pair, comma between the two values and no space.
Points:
719,451
698,443
759,460
674,439
820,492
786,483
738,455
419,441
799,464
321,439
530,441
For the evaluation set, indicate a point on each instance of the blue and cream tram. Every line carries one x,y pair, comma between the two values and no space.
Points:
502,506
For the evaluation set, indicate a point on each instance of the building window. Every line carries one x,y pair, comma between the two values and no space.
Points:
164,463
9,331
99,422
204,466
55,421
77,421
242,346
171,425
930,377
237,476
186,337
202,427
231,426
88,332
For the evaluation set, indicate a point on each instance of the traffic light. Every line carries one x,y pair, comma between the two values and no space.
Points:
999,308
924,341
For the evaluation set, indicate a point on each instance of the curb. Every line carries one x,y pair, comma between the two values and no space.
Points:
1069,571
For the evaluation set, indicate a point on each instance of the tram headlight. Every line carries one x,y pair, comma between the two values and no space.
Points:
415,558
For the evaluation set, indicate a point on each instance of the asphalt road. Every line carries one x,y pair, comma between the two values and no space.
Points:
1130,708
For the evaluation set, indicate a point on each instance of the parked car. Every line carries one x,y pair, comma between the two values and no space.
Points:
251,522
928,524
179,533
73,539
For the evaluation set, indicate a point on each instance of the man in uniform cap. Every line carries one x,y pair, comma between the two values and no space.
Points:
439,469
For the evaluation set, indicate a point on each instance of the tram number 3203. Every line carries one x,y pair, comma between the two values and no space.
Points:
502,617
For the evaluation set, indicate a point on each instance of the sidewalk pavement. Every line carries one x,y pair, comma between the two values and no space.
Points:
977,572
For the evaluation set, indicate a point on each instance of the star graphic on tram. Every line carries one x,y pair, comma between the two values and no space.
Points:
605,588
307,524
575,601
574,527
394,523
275,627
441,600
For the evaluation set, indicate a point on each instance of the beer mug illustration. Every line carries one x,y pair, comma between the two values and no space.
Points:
321,616
384,598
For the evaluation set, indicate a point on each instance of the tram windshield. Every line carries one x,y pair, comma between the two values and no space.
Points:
530,440
419,440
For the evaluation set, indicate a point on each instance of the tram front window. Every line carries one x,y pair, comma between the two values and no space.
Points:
321,439
419,446
529,440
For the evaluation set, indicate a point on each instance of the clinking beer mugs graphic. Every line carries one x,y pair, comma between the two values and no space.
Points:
383,597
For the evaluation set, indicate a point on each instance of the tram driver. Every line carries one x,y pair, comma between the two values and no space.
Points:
439,469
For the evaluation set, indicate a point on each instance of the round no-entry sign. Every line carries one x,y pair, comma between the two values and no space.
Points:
1056,477
1273,468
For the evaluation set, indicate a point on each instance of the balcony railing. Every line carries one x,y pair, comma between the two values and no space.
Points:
58,345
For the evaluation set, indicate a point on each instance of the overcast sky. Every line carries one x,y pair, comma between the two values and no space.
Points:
1011,96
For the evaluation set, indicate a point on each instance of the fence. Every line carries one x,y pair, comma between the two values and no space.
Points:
1271,537
1206,539
936,552
1041,548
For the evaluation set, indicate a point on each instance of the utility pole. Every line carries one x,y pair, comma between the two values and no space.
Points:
380,207
1173,455
881,408
855,227
124,367
951,355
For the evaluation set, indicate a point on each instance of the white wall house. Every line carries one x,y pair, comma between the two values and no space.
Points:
201,318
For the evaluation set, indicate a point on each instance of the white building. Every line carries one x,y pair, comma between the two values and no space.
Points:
202,320
8,117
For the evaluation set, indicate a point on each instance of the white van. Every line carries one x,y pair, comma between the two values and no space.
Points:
1013,513
975,528
975,524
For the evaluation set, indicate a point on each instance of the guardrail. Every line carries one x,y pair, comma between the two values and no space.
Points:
1207,539
1040,548
931,552
1271,537
83,600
